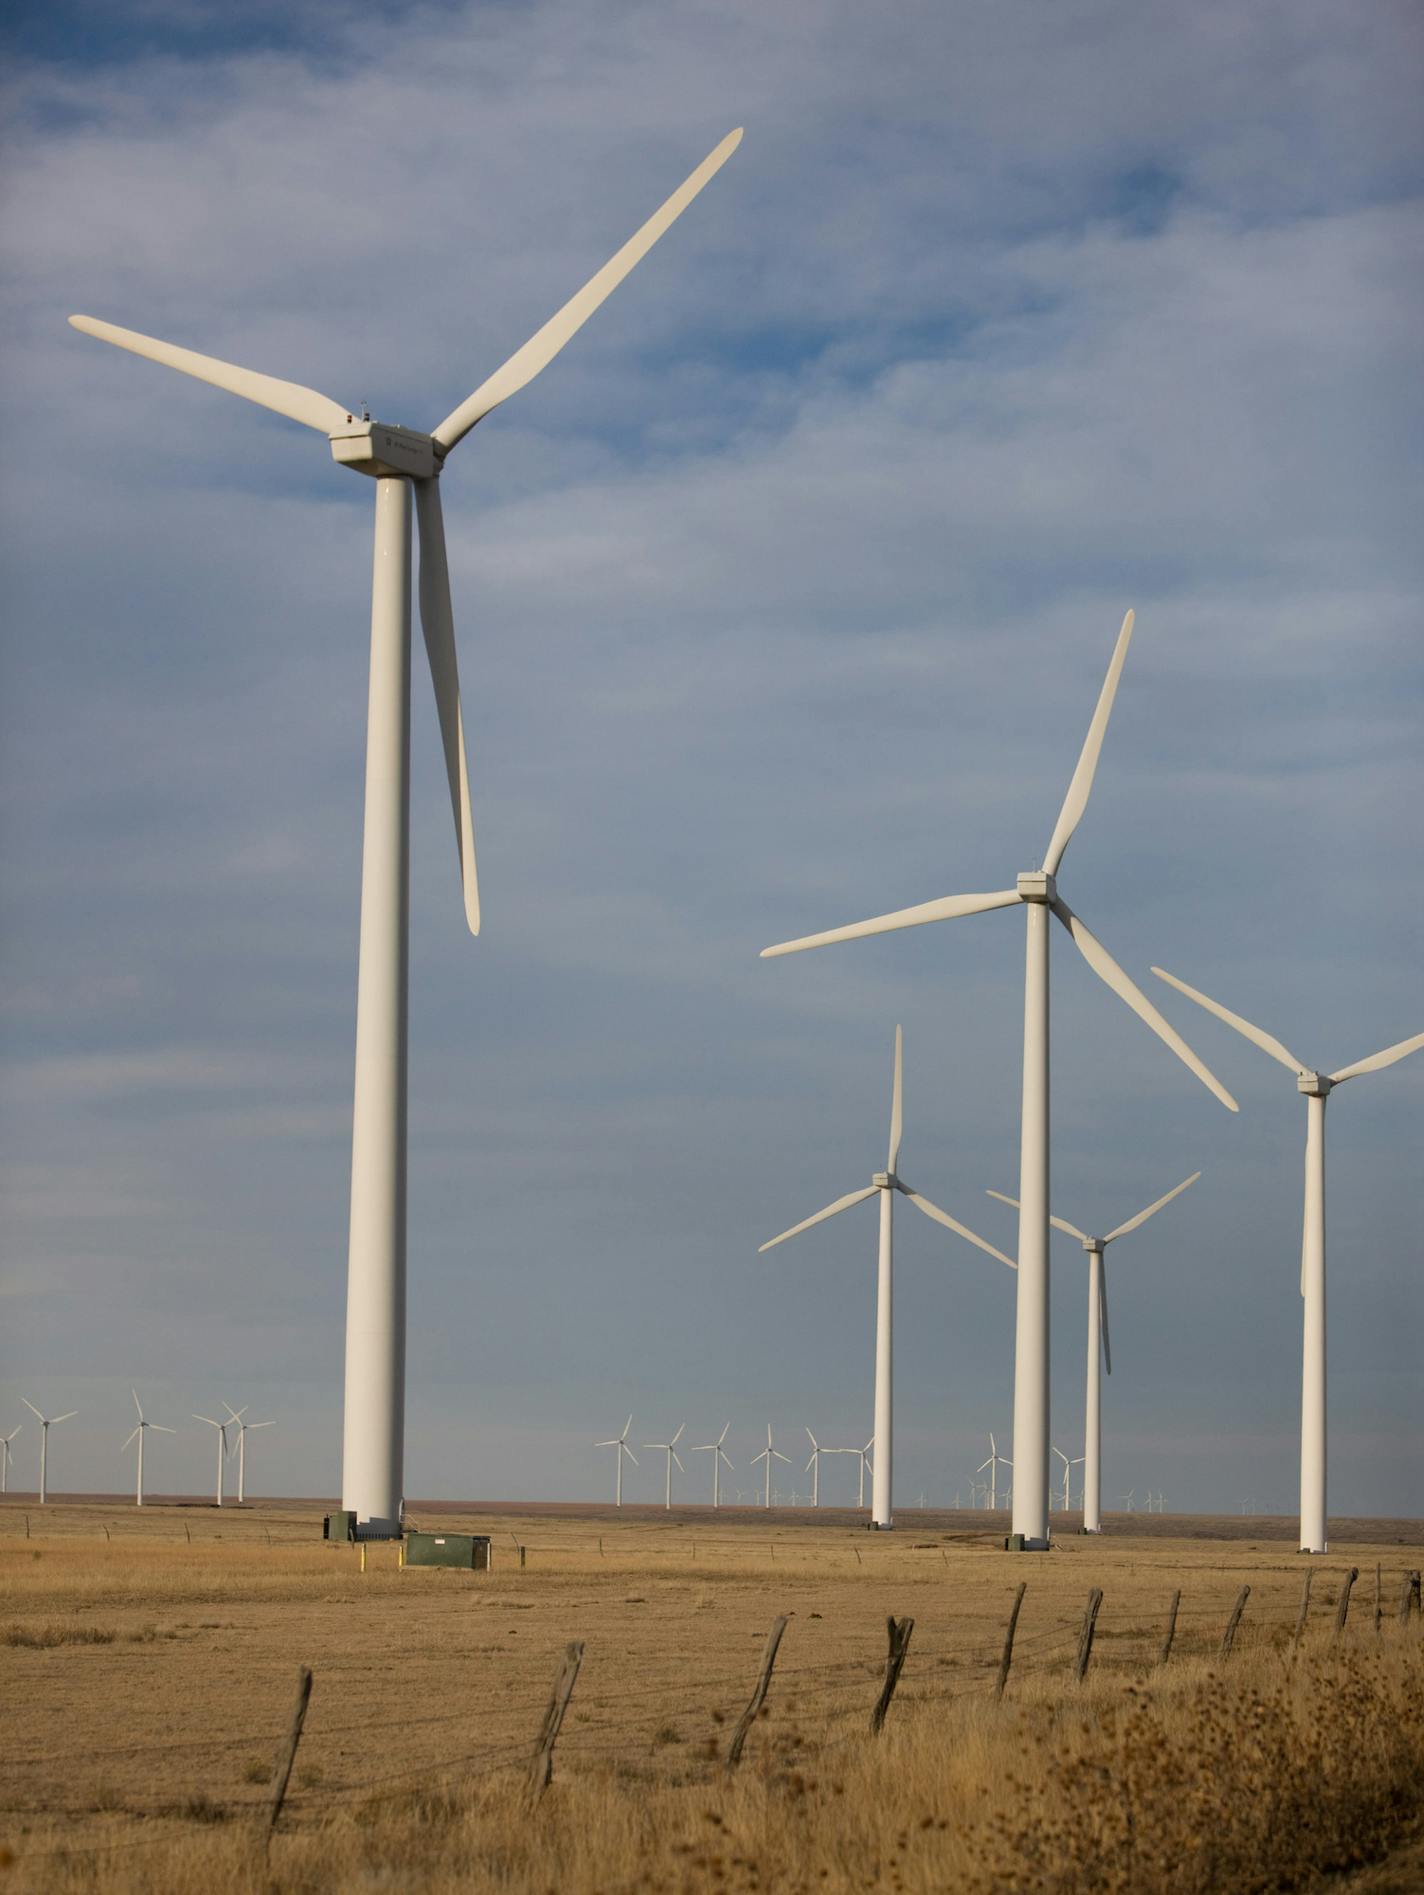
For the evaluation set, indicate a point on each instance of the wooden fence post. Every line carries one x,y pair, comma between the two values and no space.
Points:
287,1756
541,1765
1008,1653
1228,1637
1085,1637
1301,1616
1344,1605
899,1631
1171,1632
1379,1604
758,1697
1408,1596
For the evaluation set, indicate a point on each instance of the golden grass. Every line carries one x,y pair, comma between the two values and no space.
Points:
142,1758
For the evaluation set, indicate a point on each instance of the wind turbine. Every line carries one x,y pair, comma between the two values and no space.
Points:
670,1449
236,1420
1068,1467
223,1449
1127,1498
7,1454
137,1435
994,1463
813,1467
400,460
887,1183
719,1457
769,1454
46,1423
1099,1350
620,1441
1315,1087
1037,890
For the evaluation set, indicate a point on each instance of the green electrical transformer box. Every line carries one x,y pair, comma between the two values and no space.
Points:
339,1526
469,1551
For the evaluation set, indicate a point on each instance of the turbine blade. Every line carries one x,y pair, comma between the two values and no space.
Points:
678,1436
33,1410
947,909
1058,1223
68,1415
723,1435
1108,971
841,1204
1267,1042
1376,1061
1103,1311
545,344
1151,1211
261,1424
285,398
158,1427
897,1112
960,1230
129,1443
137,1403
726,1458
680,1468
629,1452
1079,789
437,621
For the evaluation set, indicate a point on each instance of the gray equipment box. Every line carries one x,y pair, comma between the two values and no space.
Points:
339,1526
470,1552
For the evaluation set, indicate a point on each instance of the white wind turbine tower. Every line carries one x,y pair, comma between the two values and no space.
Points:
46,1423
1099,1348
769,1454
235,1419
620,1441
719,1460
224,1452
403,462
1315,1088
137,1435
7,1454
1037,890
670,1449
994,1463
1068,1466
887,1183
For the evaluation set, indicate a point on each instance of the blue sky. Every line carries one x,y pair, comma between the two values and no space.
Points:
783,597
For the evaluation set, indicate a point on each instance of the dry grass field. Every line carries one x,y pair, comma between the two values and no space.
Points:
150,1663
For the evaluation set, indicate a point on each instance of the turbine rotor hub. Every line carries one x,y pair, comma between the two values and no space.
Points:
1313,1085
884,1180
1037,885
1093,1245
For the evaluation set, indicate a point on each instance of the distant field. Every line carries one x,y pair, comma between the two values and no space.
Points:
154,1655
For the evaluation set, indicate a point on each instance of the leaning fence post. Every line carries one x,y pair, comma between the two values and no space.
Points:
899,1631
1171,1632
1085,1637
1007,1659
1408,1596
1301,1616
287,1756
758,1697
1228,1637
1344,1605
541,1765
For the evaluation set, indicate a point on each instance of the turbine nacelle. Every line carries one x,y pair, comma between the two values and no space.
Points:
1313,1085
375,448
1037,885
885,1180
1094,1244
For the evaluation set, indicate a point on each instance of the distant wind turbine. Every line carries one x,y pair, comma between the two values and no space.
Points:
46,1423
1037,890
236,1420
1099,1350
400,460
813,1467
139,1432
769,1454
994,1463
887,1183
7,1454
1315,1088
719,1460
620,1441
670,1449
1068,1466
223,1450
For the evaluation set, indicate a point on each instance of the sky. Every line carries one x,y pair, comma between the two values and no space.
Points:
783,597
